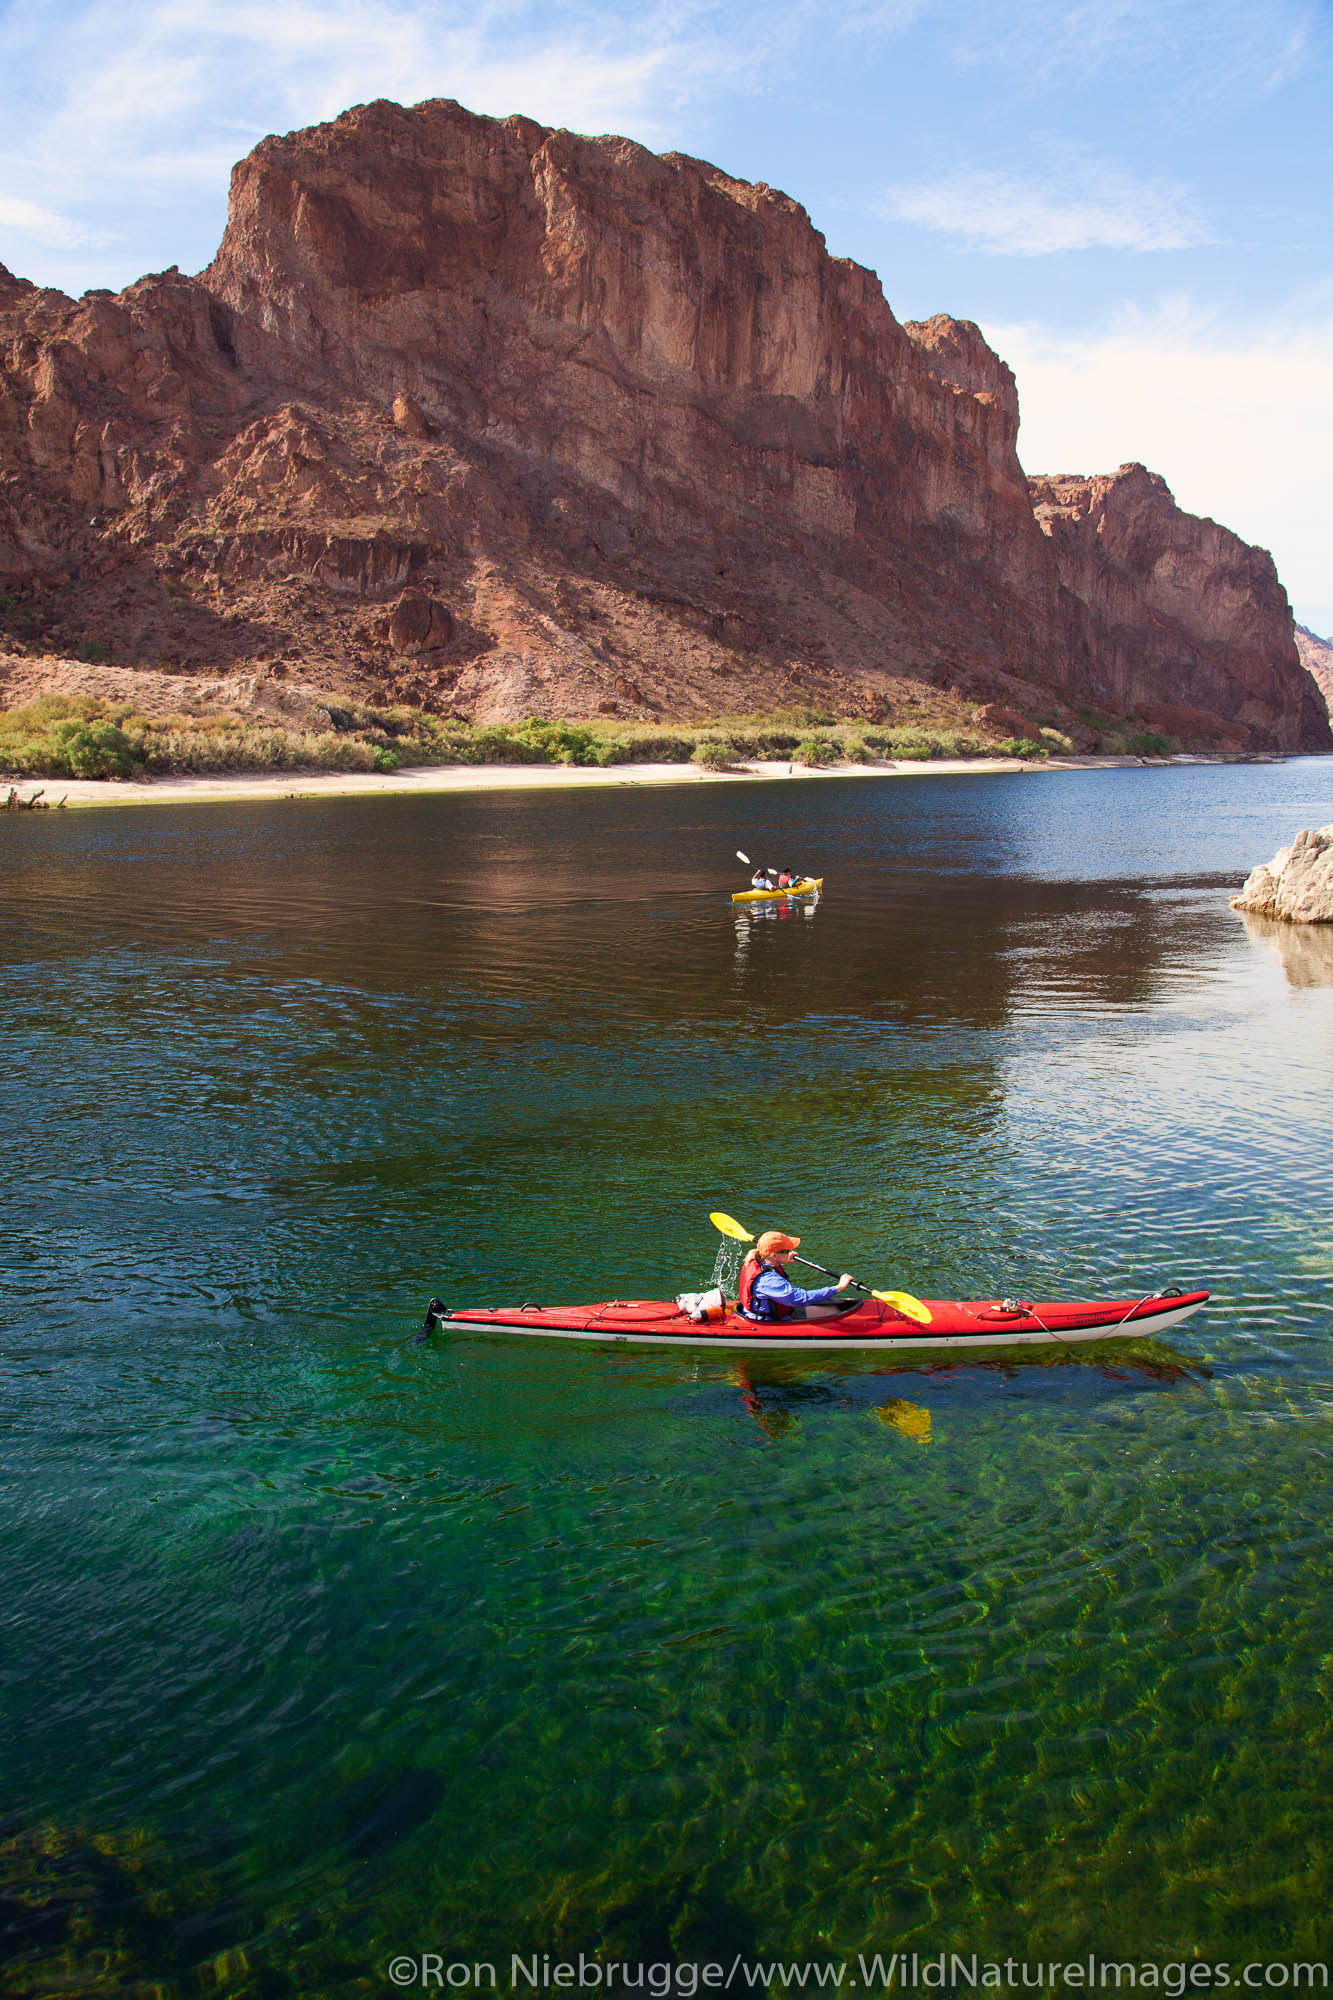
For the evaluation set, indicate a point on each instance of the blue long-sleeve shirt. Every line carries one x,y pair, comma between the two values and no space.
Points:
777,1290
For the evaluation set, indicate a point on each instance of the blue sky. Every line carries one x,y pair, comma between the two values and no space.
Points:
1133,200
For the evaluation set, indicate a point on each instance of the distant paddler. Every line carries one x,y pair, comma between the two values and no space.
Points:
763,878
769,879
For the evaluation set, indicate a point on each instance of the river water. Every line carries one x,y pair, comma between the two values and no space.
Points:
323,1647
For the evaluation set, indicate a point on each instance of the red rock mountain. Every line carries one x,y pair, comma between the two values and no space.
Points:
508,421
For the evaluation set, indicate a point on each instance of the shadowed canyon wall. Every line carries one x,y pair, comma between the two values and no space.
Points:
1317,659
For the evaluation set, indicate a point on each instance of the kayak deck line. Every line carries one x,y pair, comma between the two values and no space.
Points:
979,1323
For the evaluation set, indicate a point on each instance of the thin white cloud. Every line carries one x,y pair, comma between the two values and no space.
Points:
874,20
1008,217
1198,50
42,225
163,69
1239,426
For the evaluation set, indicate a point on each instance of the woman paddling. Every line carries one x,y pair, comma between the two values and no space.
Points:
767,1293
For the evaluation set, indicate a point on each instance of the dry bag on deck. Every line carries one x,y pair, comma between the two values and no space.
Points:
702,1306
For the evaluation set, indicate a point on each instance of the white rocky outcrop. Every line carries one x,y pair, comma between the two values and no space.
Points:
1297,884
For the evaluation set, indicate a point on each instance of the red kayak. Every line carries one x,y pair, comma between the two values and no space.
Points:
861,1323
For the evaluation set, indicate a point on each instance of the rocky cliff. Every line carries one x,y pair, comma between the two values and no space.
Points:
1317,659
1175,618
508,421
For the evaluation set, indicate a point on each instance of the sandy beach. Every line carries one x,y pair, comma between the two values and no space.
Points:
82,792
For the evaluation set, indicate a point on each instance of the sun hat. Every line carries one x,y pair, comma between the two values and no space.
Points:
774,1239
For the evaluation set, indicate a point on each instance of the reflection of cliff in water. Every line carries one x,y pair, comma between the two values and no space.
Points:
975,950
533,911
1304,951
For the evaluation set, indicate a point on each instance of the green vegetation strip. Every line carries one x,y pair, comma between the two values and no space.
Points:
63,736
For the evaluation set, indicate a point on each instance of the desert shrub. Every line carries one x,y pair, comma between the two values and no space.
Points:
906,741
185,747
1058,741
657,747
496,744
799,719
49,708
560,742
63,737
557,742
93,749
713,754
912,743
341,753
1022,746
1148,743
816,750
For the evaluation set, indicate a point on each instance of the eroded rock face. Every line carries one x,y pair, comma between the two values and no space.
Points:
1296,886
420,624
628,420
1317,659
1174,618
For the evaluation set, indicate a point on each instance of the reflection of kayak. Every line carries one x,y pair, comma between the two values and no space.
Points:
983,1323
809,885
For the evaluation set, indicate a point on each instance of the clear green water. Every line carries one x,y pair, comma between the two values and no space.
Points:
319,1645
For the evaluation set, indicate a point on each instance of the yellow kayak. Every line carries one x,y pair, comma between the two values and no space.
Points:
809,885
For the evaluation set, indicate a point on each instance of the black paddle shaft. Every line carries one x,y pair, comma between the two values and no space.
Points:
812,1266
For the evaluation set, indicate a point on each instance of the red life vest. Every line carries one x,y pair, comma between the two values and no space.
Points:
752,1307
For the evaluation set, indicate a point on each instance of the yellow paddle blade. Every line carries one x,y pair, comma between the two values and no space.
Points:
909,1418
730,1227
904,1303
